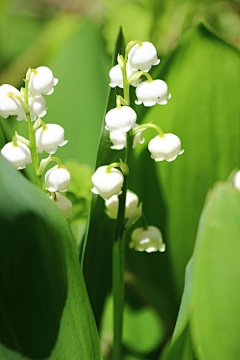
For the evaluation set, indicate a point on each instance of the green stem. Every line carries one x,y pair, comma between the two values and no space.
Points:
119,244
33,145
144,127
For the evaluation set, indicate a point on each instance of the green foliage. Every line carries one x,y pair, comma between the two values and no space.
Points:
198,73
216,277
44,308
204,114
209,306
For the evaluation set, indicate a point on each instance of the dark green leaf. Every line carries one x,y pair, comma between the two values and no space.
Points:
97,266
44,308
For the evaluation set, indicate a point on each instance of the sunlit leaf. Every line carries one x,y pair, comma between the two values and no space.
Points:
215,325
204,113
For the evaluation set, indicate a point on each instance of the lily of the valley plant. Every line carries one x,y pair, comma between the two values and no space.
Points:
110,181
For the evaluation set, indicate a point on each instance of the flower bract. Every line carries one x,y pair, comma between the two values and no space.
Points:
130,208
18,155
167,148
57,179
116,78
152,92
63,203
42,82
9,105
107,184
148,240
122,119
236,180
50,138
143,57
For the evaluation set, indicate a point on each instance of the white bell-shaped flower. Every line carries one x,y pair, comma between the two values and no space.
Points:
148,240
116,78
50,138
152,92
122,119
107,184
118,138
130,208
63,203
37,106
236,180
57,179
17,154
9,105
167,148
143,57
42,82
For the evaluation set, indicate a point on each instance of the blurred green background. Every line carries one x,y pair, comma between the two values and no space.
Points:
197,42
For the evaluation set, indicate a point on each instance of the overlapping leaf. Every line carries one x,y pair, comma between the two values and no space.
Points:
44,308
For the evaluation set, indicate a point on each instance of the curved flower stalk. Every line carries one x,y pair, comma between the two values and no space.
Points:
124,133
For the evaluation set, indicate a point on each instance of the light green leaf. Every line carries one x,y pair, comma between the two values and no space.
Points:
204,113
44,307
215,325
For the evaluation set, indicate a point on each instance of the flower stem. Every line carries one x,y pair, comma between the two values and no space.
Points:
33,145
120,243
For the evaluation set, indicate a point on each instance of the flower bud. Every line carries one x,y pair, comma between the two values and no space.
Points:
9,105
236,180
107,184
37,106
116,78
50,138
152,92
57,178
143,57
18,155
130,208
63,203
42,82
148,240
121,119
167,148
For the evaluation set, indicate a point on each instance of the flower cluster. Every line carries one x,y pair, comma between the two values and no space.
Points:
29,104
124,132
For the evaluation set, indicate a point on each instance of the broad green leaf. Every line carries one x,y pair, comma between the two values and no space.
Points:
44,308
204,113
215,325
